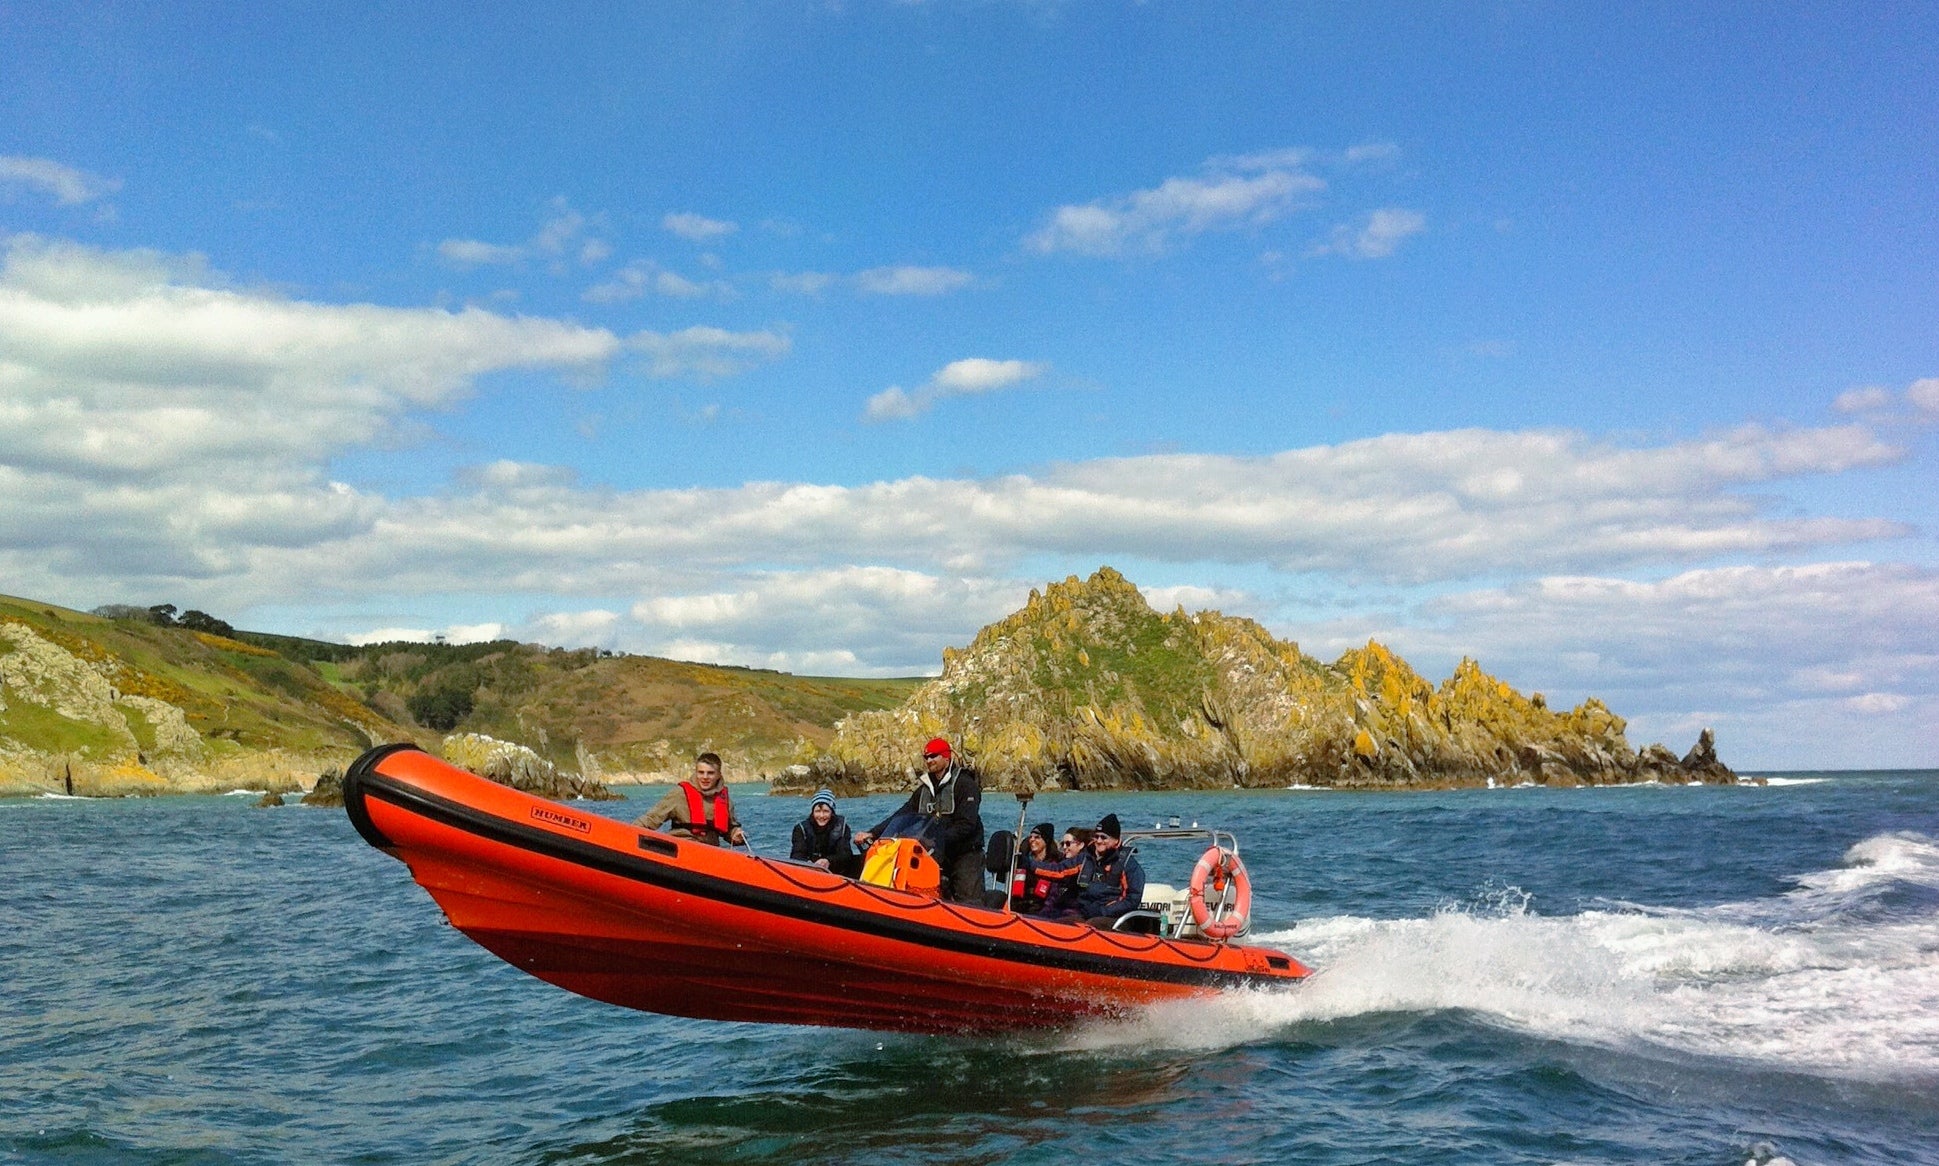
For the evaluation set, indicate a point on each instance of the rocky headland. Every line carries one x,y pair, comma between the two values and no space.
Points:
1087,687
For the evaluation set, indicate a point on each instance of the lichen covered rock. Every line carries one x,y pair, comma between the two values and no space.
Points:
1087,687
96,739
518,766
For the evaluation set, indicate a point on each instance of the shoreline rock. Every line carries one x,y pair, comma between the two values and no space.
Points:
1087,687
520,767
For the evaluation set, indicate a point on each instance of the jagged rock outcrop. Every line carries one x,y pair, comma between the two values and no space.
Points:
107,741
78,718
1088,687
328,790
505,762
520,767
1701,764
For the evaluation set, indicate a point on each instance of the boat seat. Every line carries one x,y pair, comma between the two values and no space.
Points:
1000,852
1140,923
1169,905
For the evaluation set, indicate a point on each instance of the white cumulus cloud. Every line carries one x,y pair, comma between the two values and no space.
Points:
1878,404
697,228
1868,399
165,434
877,619
454,634
150,414
1232,192
708,352
958,378
565,234
473,253
1378,236
64,184
590,628
642,276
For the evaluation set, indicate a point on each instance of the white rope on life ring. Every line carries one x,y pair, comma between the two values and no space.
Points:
1217,865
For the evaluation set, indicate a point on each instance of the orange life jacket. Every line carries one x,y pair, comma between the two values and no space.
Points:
697,824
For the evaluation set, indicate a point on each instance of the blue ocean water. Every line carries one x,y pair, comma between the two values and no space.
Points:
1642,975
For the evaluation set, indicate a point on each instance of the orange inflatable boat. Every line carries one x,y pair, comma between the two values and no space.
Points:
650,921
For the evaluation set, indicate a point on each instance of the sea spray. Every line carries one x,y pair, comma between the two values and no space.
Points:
1783,983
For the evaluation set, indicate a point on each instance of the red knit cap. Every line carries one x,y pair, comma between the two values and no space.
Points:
936,745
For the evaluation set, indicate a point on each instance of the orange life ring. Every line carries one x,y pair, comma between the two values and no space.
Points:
1217,865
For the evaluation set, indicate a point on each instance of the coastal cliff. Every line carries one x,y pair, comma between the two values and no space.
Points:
132,701
99,707
1087,687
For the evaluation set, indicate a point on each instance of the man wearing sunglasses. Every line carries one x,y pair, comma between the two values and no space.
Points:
949,795
1111,882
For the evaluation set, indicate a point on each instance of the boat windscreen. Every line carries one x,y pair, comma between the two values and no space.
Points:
921,827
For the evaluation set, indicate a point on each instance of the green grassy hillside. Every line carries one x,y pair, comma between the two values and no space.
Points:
121,703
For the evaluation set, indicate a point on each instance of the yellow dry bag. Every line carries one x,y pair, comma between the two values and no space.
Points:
902,863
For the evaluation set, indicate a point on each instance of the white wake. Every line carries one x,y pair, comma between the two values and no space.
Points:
1807,981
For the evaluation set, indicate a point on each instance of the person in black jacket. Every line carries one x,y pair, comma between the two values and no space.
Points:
1038,848
1057,877
823,838
1110,881
949,798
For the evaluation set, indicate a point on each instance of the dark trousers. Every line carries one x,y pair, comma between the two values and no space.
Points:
963,879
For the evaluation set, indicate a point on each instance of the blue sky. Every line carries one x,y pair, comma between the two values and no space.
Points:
1600,346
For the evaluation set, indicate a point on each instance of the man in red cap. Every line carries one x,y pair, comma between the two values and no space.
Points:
949,796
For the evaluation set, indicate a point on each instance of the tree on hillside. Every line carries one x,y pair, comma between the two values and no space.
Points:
440,708
164,615
202,621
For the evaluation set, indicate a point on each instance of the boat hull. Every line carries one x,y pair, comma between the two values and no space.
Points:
648,921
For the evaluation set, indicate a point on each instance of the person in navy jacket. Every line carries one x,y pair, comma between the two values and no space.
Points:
1110,882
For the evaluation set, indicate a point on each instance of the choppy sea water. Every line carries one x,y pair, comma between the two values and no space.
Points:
1640,975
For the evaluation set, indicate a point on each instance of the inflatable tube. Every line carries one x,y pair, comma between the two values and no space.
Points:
664,924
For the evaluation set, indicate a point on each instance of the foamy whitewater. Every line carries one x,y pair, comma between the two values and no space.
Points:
1825,979
1717,975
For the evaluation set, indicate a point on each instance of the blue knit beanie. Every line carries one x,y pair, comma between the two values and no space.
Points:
823,797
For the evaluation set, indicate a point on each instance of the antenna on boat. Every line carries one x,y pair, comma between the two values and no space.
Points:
1023,811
